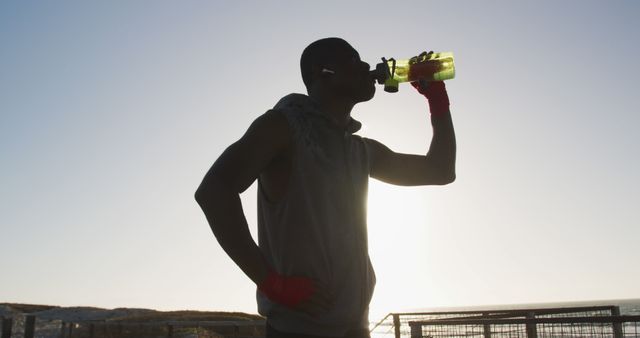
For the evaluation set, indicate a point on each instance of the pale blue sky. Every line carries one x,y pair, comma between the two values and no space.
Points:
112,112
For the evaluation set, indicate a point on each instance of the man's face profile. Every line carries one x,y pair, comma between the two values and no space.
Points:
352,76
348,77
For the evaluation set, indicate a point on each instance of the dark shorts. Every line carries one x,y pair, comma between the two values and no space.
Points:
273,333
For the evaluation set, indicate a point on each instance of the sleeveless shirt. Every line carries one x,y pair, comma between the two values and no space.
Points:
318,229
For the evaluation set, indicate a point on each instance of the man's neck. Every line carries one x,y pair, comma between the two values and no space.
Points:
338,111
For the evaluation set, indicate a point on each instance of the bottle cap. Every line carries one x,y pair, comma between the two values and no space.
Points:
391,85
381,73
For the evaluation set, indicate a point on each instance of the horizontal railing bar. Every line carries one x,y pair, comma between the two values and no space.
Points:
567,320
538,311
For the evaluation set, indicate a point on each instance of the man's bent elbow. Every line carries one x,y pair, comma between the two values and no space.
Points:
447,178
201,193
450,178
199,196
207,191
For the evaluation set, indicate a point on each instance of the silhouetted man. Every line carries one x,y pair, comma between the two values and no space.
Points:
312,269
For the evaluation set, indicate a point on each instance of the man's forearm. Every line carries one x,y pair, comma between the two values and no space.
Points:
441,156
442,151
223,209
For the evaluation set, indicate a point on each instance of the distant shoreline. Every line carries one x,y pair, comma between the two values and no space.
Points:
627,301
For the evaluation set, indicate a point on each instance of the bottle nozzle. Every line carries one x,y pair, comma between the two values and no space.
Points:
384,75
381,73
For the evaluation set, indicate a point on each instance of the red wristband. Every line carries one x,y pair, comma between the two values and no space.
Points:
288,291
436,94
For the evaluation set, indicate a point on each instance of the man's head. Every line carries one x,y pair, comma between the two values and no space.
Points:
332,65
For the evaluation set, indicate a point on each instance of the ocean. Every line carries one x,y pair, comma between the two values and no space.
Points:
627,306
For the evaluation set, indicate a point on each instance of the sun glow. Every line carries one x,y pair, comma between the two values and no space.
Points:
398,219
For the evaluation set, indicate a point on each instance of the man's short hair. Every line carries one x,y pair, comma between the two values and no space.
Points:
320,53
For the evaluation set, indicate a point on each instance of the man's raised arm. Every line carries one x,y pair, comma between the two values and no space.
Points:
438,166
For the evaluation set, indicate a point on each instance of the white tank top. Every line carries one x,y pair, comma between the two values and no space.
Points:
319,228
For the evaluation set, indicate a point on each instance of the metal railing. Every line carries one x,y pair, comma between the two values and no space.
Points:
397,325
200,329
592,321
30,327
611,326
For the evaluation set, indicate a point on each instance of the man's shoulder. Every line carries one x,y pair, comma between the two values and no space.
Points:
271,129
292,102
273,115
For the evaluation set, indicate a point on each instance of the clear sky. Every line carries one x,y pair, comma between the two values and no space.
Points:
112,112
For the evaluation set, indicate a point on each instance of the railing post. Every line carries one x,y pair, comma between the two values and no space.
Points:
416,330
63,329
170,331
7,323
71,325
617,326
29,326
396,324
532,330
486,327
92,329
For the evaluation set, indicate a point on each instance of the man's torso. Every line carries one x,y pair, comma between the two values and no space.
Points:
312,218
275,177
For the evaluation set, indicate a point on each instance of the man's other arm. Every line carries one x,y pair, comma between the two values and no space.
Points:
232,173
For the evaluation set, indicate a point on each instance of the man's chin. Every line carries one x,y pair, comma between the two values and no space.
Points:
370,93
364,94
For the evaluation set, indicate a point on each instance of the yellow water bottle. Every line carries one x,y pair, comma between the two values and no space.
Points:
426,66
